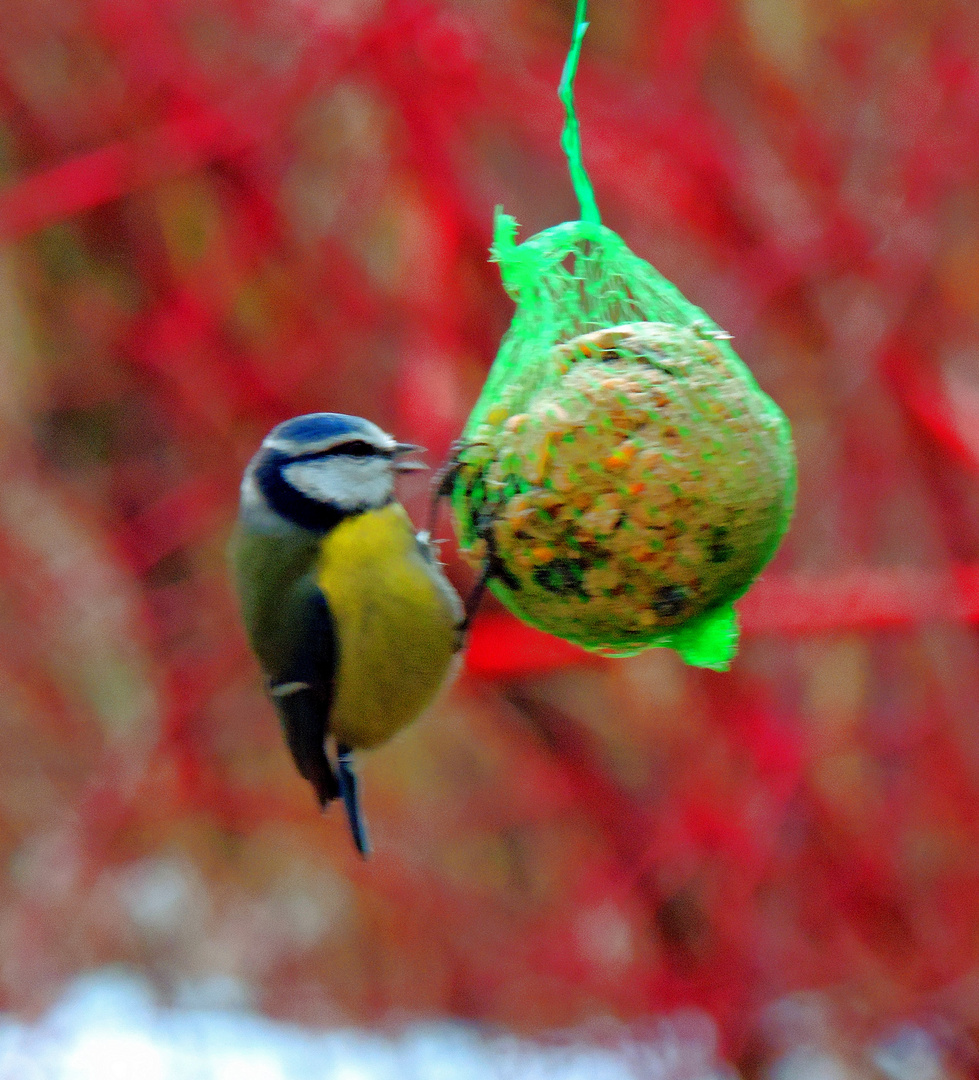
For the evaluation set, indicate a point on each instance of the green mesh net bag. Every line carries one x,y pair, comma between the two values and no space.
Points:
622,478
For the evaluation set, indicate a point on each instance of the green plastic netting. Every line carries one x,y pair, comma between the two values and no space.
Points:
622,477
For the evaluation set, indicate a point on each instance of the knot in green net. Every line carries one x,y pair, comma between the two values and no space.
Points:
622,478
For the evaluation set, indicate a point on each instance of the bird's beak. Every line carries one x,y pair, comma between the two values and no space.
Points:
408,466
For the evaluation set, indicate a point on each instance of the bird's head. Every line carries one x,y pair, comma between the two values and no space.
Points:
314,470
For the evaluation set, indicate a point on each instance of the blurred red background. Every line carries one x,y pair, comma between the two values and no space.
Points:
219,213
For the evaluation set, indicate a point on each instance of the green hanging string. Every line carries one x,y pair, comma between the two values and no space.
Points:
571,136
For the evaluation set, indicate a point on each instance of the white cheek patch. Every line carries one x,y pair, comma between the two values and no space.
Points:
349,483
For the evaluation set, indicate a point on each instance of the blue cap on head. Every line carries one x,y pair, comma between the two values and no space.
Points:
321,430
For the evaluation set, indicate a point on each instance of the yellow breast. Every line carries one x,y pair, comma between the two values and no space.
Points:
397,620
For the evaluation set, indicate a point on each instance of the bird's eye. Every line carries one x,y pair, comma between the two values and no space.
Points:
355,448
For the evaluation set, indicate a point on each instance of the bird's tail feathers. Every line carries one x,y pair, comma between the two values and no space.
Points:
351,801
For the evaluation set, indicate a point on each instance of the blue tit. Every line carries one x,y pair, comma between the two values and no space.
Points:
347,609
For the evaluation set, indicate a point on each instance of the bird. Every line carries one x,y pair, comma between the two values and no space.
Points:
344,604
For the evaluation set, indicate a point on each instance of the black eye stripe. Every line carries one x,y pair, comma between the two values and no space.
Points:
355,448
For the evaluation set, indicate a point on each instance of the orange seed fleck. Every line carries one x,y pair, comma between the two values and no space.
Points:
620,458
